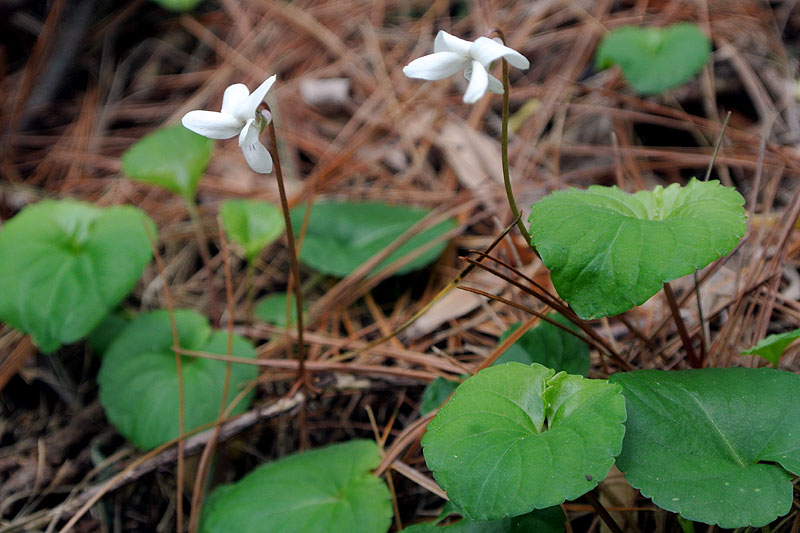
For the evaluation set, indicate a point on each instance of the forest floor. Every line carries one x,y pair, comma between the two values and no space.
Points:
81,81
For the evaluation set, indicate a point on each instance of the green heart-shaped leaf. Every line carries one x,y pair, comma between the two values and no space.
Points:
714,444
549,520
343,235
608,251
272,309
65,264
251,224
515,438
329,489
139,382
172,158
550,346
655,59
772,346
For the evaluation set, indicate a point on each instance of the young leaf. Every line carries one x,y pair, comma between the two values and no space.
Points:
655,59
328,489
716,445
343,235
172,158
272,309
608,251
549,520
139,382
65,264
772,346
251,224
550,346
436,393
515,438
178,5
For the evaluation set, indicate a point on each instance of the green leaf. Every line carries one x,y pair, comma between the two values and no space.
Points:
272,309
328,489
103,335
550,346
343,235
251,224
549,520
436,393
772,346
139,382
515,438
172,158
608,251
655,59
715,445
178,5
65,264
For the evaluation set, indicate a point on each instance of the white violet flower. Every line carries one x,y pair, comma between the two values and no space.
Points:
451,54
238,116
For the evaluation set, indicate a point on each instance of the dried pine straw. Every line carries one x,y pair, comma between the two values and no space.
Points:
67,117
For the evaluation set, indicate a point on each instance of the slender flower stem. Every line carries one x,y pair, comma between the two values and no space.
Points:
298,293
512,203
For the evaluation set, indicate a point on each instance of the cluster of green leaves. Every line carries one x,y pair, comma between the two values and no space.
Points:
718,446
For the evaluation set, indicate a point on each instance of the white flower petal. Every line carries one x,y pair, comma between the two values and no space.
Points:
212,124
487,50
495,85
445,42
248,109
436,66
249,133
234,96
256,155
478,83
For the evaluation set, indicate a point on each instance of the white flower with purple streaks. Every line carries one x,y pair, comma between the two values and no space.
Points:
238,116
452,54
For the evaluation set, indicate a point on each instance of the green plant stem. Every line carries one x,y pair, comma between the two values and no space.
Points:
512,203
684,334
295,267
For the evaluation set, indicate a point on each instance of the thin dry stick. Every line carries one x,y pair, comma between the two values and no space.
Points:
531,311
503,346
603,513
179,369
439,295
151,460
208,451
704,331
566,311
